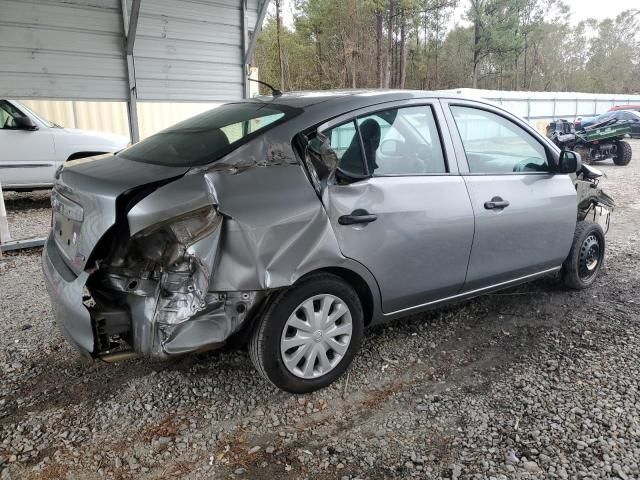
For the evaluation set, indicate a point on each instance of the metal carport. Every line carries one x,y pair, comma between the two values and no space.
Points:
128,50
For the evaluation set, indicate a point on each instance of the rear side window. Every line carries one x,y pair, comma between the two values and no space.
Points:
402,141
345,142
208,136
494,145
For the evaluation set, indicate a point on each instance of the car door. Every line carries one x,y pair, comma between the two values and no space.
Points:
398,206
634,122
525,216
27,157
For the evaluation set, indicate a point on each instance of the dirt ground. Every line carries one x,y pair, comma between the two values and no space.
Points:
532,382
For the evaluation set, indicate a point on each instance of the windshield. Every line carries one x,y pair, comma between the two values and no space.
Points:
208,136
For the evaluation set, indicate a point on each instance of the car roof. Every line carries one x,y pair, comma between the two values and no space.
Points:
347,98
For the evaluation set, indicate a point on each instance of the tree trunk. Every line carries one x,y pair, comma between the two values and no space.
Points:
436,47
379,77
353,68
395,67
387,78
280,62
526,52
476,6
476,52
319,58
403,51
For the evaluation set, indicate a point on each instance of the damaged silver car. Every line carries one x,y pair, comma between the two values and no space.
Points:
293,222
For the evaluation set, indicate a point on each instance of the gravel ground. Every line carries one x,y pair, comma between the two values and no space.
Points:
534,382
28,213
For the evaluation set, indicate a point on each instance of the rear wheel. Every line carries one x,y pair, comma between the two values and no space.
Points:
586,258
623,153
308,335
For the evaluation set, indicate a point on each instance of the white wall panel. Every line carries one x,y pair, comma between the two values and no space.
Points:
565,108
112,116
539,108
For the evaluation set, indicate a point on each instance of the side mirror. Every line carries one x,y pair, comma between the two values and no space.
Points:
391,147
23,123
570,162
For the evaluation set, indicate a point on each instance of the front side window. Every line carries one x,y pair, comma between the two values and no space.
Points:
402,141
495,145
208,136
8,113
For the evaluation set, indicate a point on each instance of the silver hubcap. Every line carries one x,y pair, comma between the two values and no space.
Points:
316,336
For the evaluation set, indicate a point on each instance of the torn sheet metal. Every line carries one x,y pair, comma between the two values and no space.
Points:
268,229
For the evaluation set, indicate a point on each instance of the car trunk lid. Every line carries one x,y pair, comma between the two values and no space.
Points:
85,197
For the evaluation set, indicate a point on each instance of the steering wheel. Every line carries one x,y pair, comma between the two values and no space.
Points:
527,165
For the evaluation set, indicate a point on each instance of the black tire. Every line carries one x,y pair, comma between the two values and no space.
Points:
264,344
623,154
588,246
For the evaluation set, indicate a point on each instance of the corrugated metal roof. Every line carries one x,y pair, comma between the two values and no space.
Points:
190,50
184,49
57,49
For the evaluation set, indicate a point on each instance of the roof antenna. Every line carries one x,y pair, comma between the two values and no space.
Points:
274,91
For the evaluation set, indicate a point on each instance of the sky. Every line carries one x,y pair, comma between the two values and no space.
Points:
580,9
583,9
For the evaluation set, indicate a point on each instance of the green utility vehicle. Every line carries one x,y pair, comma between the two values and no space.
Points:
597,142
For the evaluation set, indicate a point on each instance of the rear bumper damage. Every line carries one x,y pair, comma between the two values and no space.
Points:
142,309
65,290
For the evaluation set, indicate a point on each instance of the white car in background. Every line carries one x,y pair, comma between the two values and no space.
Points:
33,148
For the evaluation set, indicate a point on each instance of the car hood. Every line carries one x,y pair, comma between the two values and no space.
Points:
95,185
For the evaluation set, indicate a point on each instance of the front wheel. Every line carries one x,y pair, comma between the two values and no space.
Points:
586,258
308,335
623,153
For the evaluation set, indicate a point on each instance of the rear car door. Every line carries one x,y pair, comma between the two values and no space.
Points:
398,206
525,216
27,157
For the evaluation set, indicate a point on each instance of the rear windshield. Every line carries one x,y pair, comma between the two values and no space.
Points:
208,136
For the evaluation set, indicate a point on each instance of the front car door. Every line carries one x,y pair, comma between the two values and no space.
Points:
634,122
398,205
27,157
525,216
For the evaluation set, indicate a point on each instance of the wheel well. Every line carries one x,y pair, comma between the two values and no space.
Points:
356,281
361,287
77,155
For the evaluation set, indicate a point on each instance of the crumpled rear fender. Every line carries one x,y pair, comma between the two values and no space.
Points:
275,228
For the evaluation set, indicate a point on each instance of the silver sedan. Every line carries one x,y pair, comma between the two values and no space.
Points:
291,223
